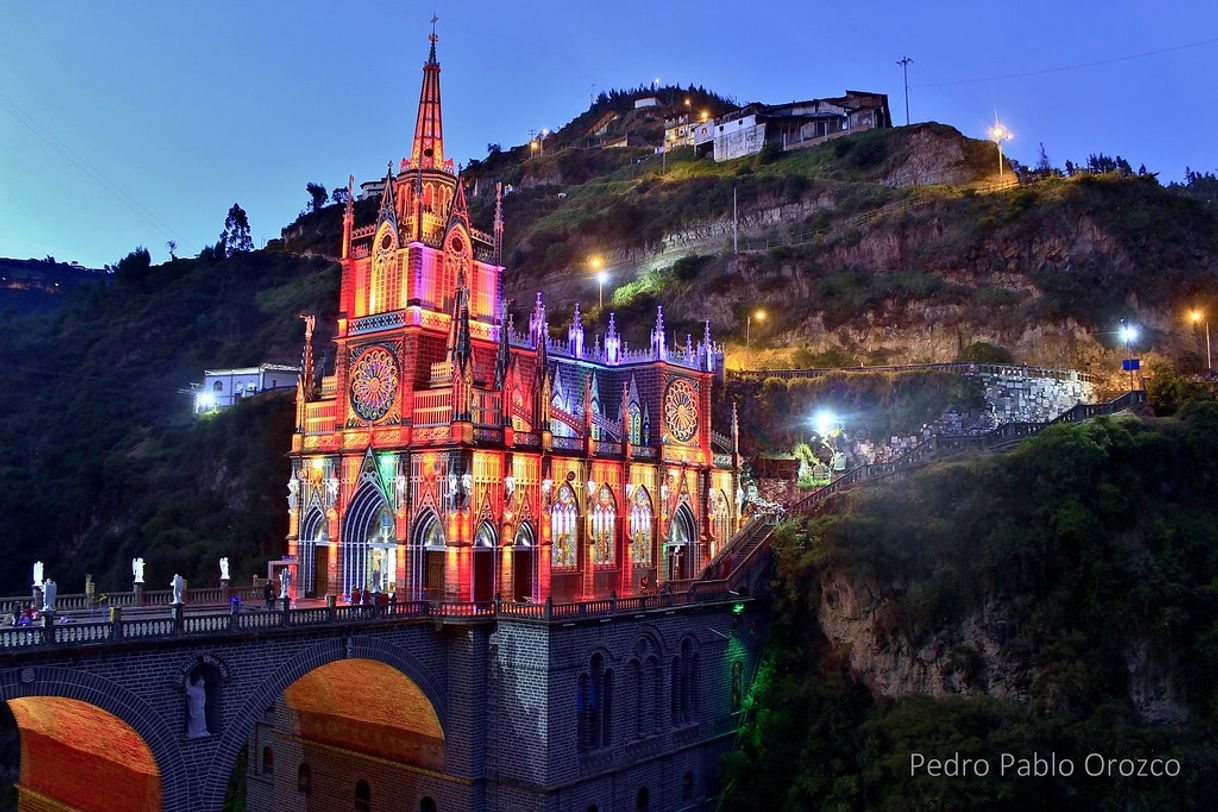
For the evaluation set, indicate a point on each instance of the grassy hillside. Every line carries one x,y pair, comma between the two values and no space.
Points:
1093,539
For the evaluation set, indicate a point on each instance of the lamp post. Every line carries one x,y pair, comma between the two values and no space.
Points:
1128,334
998,134
748,326
1198,316
601,278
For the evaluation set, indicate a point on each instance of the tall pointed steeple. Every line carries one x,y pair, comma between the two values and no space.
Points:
503,355
428,149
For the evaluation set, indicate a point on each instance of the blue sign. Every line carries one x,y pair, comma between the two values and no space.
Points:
1131,364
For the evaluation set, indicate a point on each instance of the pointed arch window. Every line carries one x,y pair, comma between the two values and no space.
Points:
563,538
640,528
604,516
721,518
635,423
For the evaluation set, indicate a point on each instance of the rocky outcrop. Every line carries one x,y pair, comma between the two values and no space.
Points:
981,655
977,656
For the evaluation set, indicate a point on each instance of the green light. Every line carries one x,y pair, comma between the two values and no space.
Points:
738,608
387,465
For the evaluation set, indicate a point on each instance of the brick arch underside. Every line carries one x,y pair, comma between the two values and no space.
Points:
89,743
370,696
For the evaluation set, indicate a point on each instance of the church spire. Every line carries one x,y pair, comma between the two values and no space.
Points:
428,149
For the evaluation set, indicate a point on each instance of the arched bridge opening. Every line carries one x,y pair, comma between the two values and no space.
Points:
353,733
72,755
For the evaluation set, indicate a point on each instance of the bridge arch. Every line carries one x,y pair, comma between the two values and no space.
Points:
54,683
301,665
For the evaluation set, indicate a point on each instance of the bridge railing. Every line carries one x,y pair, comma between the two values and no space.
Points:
59,630
959,367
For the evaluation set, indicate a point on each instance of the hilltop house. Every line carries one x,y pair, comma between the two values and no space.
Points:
795,124
222,388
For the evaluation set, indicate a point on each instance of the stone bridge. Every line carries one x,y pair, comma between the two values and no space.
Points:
502,680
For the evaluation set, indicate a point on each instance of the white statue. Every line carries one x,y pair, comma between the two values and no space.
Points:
196,707
399,486
178,584
38,575
293,493
224,568
49,592
285,582
137,570
331,491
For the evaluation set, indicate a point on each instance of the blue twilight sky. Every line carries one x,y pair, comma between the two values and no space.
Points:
127,122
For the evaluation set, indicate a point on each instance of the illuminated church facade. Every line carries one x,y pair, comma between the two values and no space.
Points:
453,456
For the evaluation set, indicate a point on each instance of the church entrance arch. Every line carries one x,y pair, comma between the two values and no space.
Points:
428,551
369,542
485,539
313,552
680,545
524,563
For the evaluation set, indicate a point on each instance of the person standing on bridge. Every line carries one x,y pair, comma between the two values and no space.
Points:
268,594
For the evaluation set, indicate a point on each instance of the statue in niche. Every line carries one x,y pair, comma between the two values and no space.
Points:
196,706
137,570
293,493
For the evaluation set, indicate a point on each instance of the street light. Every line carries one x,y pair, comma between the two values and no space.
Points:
998,134
748,326
823,422
1129,334
1198,316
601,278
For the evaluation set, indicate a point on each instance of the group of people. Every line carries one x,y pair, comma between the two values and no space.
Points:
25,616
366,597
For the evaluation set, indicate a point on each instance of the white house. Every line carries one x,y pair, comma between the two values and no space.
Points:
222,388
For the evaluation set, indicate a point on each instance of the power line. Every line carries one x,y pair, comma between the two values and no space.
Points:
1079,66
87,168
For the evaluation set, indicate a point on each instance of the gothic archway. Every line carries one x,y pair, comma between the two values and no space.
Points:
485,544
313,553
524,563
428,551
369,544
680,547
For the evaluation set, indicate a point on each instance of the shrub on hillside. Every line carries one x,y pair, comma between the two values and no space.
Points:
982,352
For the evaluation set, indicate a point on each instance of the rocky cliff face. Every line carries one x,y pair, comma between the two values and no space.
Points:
982,655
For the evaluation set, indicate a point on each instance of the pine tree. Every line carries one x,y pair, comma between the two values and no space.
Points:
317,196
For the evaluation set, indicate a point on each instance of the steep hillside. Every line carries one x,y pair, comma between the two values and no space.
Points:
100,457
886,246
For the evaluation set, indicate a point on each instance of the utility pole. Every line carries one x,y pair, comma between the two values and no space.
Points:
905,62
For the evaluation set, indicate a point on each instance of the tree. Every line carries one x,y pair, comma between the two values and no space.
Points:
340,195
236,238
172,246
317,196
135,267
1042,162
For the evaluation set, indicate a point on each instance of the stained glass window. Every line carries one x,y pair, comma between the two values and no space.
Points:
636,424
374,383
603,519
640,528
562,529
681,410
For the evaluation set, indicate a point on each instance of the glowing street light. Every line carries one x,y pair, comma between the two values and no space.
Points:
601,278
824,422
1198,316
205,402
1129,334
998,134
748,326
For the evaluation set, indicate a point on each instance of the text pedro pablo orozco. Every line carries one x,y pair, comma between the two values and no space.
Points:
1037,765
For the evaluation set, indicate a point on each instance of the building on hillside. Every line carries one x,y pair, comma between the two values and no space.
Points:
623,141
646,101
452,456
793,125
680,127
221,388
